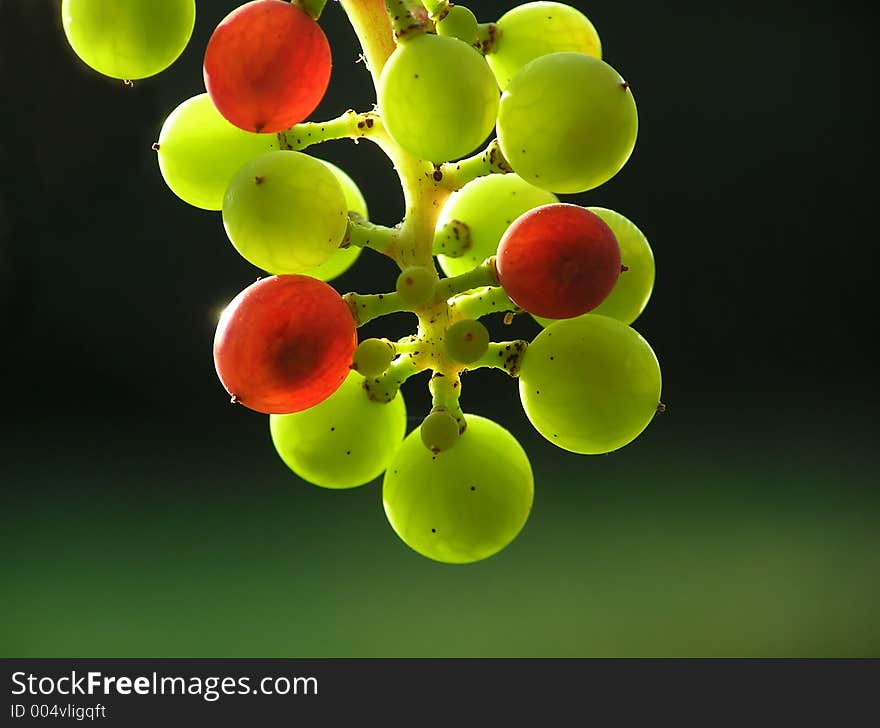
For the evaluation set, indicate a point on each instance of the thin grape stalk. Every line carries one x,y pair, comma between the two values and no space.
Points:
437,99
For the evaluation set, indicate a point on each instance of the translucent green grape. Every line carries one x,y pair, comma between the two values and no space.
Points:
462,505
630,294
535,29
466,341
128,39
439,431
343,258
200,152
567,122
416,285
487,205
372,357
285,212
438,97
345,441
459,23
590,384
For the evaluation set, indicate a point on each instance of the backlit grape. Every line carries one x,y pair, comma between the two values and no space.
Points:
589,384
462,505
466,341
345,441
128,39
285,212
267,66
558,261
567,122
439,431
438,97
284,344
416,285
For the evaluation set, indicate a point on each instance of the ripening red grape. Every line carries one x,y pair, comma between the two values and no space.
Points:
284,344
267,66
558,261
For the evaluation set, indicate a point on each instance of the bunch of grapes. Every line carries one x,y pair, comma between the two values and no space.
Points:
458,488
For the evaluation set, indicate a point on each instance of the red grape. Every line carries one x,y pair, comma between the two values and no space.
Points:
284,344
558,261
267,66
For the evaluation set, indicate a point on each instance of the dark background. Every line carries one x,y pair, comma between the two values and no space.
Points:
144,515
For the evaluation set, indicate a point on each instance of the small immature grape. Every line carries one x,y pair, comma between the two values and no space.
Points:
589,384
284,344
285,212
459,23
267,65
438,97
558,261
466,341
567,122
464,504
372,357
487,205
535,29
199,152
343,442
128,39
416,285
342,258
439,431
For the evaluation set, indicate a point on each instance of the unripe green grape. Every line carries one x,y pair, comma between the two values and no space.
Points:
199,152
439,431
459,23
128,39
466,341
567,122
372,357
416,285
488,205
590,384
633,289
285,212
535,29
345,441
438,97
462,505
342,258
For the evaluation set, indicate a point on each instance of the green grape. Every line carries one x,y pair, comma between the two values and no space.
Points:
342,258
567,122
372,357
438,97
462,505
439,431
630,294
128,39
416,285
459,23
466,341
199,152
535,29
590,384
345,441
488,205
285,212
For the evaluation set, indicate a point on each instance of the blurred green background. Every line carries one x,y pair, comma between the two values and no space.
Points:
144,516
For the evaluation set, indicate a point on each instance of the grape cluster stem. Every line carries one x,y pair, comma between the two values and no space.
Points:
380,25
